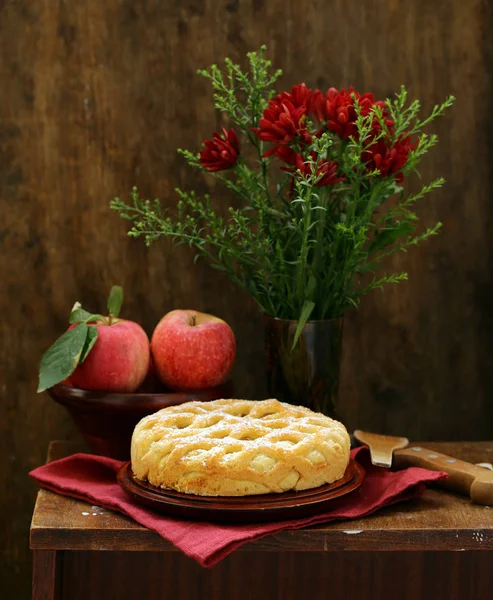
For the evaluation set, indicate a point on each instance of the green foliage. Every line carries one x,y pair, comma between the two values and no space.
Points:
62,358
302,251
243,96
115,301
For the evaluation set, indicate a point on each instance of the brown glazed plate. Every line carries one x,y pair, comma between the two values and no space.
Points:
240,509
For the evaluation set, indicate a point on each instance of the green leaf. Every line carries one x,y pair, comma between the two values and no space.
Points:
310,287
115,300
79,315
61,359
389,235
82,316
93,318
306,311
92,336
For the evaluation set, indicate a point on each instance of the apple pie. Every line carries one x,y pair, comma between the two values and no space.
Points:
239,448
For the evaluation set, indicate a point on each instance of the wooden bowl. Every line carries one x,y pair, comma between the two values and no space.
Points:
107,420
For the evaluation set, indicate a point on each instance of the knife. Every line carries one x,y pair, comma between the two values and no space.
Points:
475,481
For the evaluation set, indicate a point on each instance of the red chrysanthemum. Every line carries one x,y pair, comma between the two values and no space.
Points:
326,170
281,122
299,95
221,152
285,153
318,105
389,159
284,118
337,109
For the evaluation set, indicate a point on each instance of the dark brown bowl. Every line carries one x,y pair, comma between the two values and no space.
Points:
107,420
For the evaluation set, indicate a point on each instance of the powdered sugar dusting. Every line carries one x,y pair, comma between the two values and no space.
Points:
203,439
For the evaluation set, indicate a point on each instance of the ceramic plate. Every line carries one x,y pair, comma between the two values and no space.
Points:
241,509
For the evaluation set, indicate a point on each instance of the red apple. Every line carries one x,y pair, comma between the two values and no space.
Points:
192,350
151,383
119,360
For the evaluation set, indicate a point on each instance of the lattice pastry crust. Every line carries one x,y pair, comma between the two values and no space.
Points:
238,448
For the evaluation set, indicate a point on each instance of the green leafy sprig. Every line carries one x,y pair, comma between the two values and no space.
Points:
302,251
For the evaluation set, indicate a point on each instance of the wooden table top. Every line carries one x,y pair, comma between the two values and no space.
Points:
438,520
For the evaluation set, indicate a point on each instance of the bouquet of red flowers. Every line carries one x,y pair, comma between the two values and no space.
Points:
315,171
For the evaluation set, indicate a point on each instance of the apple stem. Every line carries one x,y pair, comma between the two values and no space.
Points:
110,319
193,320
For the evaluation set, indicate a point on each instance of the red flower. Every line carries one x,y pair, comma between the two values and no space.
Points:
221,152
284,118
300,95
285,153
318,105
389,159
281,122
326,170
337,108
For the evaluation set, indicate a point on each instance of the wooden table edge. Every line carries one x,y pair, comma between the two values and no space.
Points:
299,540
315,539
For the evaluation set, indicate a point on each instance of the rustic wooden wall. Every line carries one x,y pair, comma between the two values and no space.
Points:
96,96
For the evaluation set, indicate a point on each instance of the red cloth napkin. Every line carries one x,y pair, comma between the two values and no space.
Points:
93,479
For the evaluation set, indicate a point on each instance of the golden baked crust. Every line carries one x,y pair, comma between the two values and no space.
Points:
238,448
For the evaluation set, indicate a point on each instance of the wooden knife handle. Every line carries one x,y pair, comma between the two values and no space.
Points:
463,477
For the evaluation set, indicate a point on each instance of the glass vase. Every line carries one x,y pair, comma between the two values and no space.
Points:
307,374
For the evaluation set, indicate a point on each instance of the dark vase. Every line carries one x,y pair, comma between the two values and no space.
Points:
307,374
